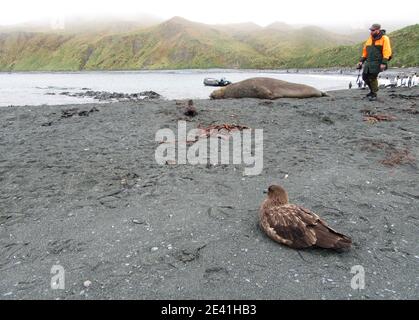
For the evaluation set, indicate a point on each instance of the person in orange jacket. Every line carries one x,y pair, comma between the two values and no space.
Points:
376,54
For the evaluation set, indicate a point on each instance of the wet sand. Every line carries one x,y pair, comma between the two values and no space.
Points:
85,192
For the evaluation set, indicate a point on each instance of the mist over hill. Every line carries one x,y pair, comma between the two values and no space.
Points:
148,43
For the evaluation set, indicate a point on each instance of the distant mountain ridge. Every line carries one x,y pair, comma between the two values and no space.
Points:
179,43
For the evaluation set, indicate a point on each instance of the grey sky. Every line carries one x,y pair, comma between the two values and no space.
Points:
355,13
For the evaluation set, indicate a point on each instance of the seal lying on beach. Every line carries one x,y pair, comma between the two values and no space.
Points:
266,88
296,226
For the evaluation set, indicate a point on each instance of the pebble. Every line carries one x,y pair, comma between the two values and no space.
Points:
87,283
154,249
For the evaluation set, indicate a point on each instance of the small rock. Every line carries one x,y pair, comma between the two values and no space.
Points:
83,113
154,249
87,283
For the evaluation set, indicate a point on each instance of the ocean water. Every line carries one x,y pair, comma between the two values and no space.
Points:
37,88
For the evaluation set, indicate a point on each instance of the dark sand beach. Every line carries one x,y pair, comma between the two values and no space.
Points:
84,191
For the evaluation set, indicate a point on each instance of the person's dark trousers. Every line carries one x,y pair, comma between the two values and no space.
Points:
371,81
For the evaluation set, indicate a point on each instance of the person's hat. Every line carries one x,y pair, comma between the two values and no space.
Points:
375,26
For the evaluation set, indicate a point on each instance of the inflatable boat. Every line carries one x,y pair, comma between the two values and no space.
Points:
216,83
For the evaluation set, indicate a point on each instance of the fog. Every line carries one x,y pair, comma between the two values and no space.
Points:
354,14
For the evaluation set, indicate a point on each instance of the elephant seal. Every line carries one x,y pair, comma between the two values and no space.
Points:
266,88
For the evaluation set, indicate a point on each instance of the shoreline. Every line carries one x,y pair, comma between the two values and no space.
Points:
160,98
58,90
82,189
332,70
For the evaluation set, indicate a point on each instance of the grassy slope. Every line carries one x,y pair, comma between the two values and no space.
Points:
174,44
179,43
404,44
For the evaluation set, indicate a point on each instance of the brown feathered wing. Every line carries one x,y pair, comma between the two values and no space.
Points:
300,228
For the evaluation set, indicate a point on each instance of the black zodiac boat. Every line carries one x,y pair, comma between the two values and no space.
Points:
216,83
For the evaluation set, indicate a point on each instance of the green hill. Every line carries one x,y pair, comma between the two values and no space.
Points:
179,43
404,42
176,43
285,42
